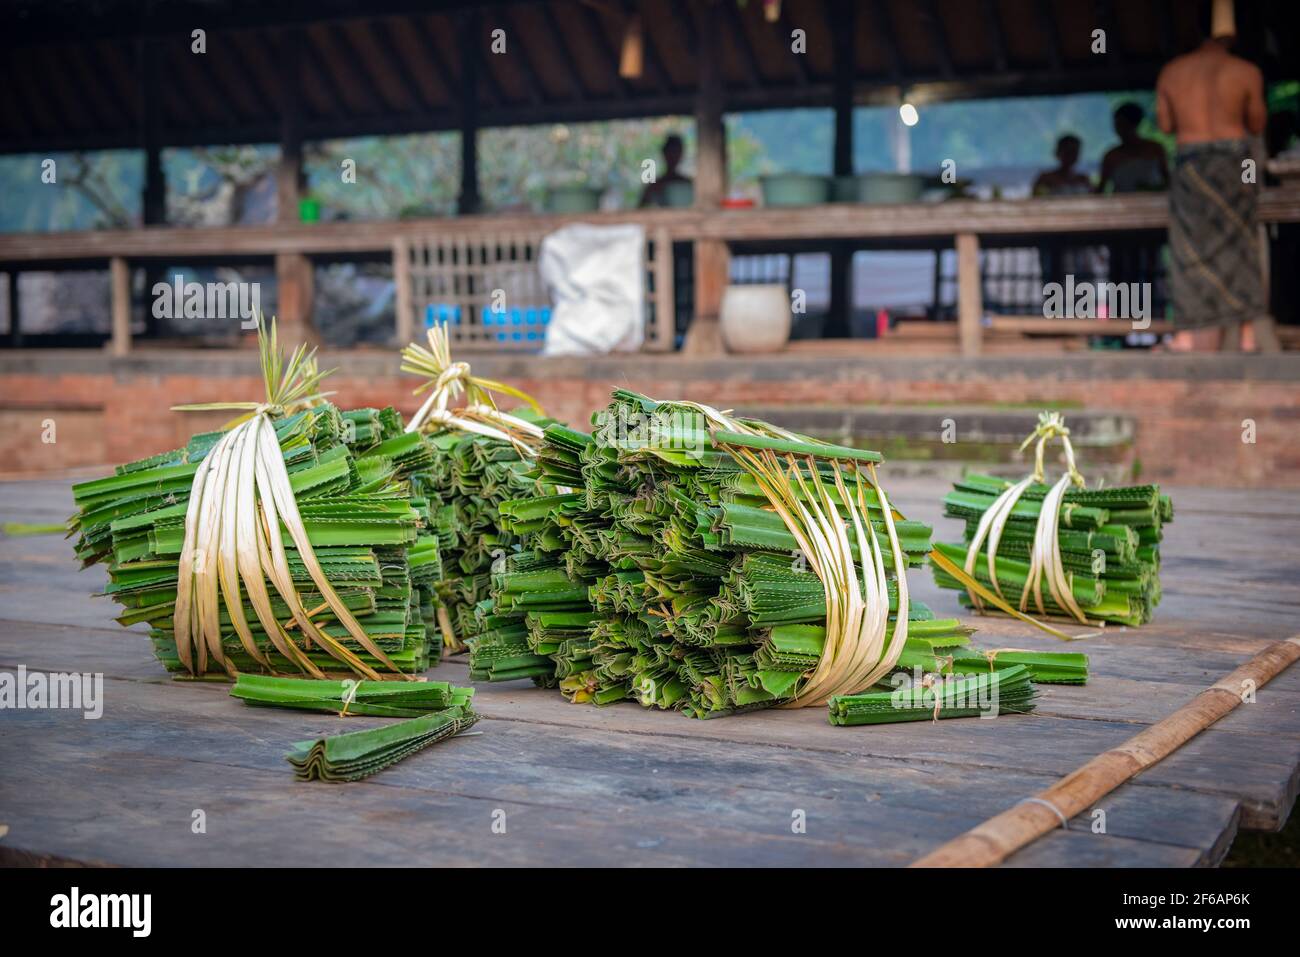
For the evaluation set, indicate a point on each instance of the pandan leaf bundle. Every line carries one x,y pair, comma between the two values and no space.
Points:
1062,551
477,458
688,568
359,754
1005,691
386,699
287,543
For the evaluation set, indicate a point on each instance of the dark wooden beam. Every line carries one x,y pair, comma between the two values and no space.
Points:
685,21
215,83
244,66
883,24
288,174
842,49
154,195
748,62
605,52
997,34
487,77
871,89
18,104
785,27
327,78
381,32
186,99
469,30
1105,14
71,113
934,25
711,258
428,43
369,81
1165,14
1051,36
98,86
555,39
711,134
534,90
15,312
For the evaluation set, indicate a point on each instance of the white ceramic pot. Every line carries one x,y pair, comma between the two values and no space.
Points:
755,318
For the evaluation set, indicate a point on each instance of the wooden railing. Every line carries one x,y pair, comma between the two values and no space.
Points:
961,222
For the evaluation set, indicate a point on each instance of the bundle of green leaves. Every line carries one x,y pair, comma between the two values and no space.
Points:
1109,541
366,535
667,575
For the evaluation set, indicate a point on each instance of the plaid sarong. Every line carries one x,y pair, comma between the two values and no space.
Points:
1214,245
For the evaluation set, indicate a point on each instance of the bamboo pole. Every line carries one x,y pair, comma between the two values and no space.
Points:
970,295
120,288
993,841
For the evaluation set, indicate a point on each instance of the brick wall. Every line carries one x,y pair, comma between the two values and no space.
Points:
1188,410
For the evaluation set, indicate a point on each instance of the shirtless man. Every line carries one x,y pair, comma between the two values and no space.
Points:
1213,102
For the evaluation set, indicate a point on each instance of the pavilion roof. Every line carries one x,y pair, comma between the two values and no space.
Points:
78,75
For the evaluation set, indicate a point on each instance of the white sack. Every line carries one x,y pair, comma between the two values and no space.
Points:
596,278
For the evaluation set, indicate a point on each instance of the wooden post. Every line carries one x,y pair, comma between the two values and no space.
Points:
471,34
120,284
153,206
295,281
841,310
1266,339
970,295
288,173
294,273
154,198
15,315
711,256
665,300
402,286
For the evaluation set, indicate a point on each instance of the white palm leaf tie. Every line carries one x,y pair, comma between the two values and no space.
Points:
239,500
479,414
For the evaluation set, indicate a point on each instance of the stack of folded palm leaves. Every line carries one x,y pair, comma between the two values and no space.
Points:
436,711
702,564
478,457
296,494
359,754
1060,551
384,699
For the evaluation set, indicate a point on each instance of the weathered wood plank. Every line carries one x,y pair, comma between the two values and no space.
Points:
662,788
835,221
191,737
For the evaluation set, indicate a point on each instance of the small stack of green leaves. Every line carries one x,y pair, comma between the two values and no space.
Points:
359,754
366,531
385,699
664,577
1109,541
1004,691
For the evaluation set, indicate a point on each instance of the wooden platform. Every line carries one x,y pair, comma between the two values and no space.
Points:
623,786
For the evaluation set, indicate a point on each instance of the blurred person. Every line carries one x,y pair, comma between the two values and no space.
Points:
1056,261
1137,163
653,194
1213,103
1064,180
